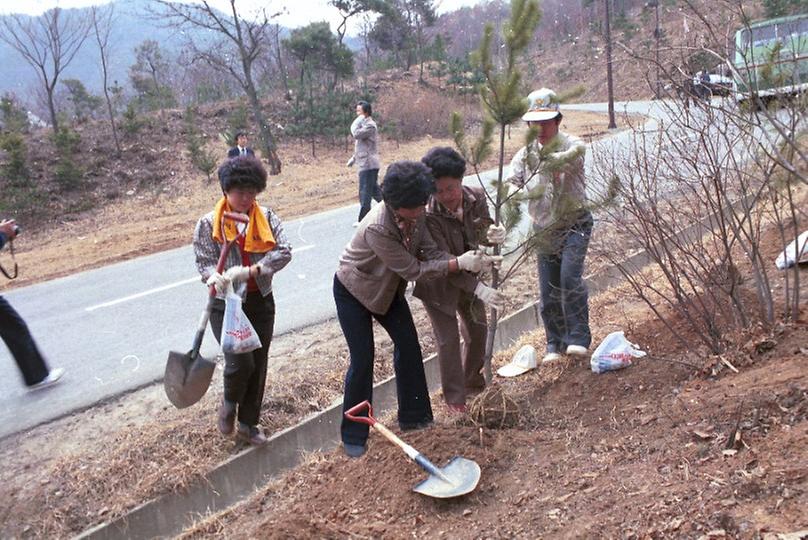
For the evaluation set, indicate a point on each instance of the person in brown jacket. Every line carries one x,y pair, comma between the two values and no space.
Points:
458,220
391,247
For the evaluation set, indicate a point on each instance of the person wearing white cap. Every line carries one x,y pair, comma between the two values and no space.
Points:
551,170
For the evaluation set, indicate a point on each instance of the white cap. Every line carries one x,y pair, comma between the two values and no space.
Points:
523,361
543,105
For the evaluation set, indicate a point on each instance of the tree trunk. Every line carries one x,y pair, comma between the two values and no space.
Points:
267,140
612,123
52,108
492,323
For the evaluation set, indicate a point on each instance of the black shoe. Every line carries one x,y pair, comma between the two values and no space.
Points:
412,426
227,417
354,450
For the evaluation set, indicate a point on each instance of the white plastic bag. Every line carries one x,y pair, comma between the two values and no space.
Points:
791,255
238,335
614,352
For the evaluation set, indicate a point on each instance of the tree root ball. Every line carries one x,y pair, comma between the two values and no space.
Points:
494,409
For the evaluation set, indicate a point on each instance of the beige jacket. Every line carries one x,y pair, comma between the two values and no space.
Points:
455,237
375,265
366,147
557,196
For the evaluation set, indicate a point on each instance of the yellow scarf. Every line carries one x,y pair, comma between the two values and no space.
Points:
257,239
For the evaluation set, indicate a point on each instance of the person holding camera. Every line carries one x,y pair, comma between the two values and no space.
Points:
16,335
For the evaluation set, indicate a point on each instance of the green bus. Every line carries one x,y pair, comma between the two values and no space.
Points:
771,58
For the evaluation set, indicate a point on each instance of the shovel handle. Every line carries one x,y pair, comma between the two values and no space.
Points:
352,414
233,216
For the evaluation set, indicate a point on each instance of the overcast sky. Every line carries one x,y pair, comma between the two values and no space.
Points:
298,12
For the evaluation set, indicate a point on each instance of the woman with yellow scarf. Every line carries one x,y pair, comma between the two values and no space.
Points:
261,252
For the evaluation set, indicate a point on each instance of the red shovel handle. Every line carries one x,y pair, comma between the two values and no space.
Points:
233,216
353,412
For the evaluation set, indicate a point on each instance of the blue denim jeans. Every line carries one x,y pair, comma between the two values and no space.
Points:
357,326
564,298
368,189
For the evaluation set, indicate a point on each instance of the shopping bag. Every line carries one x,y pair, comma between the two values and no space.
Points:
238,335
614,352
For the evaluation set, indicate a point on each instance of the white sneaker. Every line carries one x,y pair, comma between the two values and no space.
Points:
355,224
550,357
577,350
52,378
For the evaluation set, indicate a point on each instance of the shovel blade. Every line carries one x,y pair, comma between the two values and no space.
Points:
463,475
187,378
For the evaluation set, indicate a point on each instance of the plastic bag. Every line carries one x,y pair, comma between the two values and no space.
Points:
614,352
791,255
238,335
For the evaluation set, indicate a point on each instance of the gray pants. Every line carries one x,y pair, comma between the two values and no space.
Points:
564,298
460,367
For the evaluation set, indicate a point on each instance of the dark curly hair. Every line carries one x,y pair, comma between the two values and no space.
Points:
445,161
407,184
242,172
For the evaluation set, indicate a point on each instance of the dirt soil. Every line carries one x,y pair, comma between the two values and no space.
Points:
677,445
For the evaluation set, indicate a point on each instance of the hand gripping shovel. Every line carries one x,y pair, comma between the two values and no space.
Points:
188,375
458,477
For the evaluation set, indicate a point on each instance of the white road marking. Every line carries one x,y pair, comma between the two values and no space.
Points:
144,293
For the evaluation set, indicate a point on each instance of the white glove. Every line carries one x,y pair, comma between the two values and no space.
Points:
350,162
471,261
496,234
491,297
491,261
218,281
237,274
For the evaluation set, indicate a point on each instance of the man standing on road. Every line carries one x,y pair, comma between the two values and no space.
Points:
366,157
18,338
458,220
551,169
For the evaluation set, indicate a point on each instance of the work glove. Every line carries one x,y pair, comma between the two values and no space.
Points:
237,274
490,262
490,297
471,261
496,234
350,162
218,281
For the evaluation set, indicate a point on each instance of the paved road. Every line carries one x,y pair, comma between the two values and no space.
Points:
111,328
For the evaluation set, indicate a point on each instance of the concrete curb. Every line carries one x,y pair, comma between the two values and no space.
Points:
239,476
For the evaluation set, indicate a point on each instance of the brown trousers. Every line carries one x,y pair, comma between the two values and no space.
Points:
460,368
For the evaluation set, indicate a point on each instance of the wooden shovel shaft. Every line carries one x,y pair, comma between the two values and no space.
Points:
413,454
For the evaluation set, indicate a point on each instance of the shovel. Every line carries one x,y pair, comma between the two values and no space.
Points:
188,375
458,477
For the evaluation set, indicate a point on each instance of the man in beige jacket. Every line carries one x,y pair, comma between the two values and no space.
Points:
458,220
366,157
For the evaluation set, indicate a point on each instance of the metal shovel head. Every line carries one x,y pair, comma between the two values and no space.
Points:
187,378
463,475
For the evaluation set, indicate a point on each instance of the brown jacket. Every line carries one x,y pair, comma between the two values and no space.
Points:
376,265
454,237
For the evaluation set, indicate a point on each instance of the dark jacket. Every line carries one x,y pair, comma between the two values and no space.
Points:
454,237
234,152
376,266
